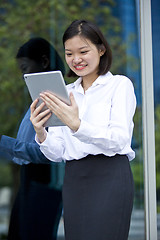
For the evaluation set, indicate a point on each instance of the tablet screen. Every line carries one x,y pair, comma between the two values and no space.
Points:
48,81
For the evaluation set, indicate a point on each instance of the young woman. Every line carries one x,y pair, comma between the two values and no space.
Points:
96,141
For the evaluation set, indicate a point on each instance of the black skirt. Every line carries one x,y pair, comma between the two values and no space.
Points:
98,198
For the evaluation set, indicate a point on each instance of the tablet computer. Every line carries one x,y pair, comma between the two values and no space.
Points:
52,81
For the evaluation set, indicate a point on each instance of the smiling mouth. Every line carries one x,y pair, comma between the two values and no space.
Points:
80,67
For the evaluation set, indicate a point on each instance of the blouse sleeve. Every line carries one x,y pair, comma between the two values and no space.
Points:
22,152
118,132
53,147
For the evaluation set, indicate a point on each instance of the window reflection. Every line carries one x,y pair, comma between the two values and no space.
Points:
120,21
155,8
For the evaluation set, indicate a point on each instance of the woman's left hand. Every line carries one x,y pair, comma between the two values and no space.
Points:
68,114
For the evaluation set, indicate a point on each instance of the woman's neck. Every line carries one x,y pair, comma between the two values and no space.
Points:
88,81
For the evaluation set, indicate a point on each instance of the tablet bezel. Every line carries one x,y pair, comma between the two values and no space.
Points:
52,81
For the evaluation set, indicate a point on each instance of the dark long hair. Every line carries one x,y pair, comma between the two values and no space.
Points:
36,48
90,31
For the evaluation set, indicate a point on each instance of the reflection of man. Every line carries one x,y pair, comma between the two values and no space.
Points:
37,208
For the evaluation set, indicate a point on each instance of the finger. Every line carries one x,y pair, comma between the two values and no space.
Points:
33,105
39,121
50,97
42,114
44,119
72,99
36,117
39,108
53,104
36,109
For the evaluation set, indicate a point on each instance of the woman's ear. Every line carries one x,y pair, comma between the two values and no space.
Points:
102,50
45,62
101,53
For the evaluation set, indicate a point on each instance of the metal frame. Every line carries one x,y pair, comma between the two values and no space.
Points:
148,121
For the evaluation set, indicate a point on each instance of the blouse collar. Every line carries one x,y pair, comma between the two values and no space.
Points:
101,80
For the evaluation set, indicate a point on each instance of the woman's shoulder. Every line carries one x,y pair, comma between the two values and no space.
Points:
121,79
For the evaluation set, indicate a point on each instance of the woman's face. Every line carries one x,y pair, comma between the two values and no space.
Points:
27,65
82,57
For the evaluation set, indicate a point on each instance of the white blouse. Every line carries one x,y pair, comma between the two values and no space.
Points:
106,112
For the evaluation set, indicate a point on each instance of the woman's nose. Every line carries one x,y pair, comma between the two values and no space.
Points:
77,59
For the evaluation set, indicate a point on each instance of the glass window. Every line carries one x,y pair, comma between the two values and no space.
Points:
22,20
155,7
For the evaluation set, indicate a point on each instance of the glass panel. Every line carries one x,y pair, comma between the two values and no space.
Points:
128,14
155,7
119,20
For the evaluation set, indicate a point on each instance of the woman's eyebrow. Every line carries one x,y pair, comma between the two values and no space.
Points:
79,48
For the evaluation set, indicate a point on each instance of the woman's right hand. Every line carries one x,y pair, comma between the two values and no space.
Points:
39,118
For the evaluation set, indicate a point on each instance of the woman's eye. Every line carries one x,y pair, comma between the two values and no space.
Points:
68,54
84,52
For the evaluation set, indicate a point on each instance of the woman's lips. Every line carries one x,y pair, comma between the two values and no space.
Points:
80,67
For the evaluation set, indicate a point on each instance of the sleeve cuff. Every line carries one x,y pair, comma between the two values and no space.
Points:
37,140
84,132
